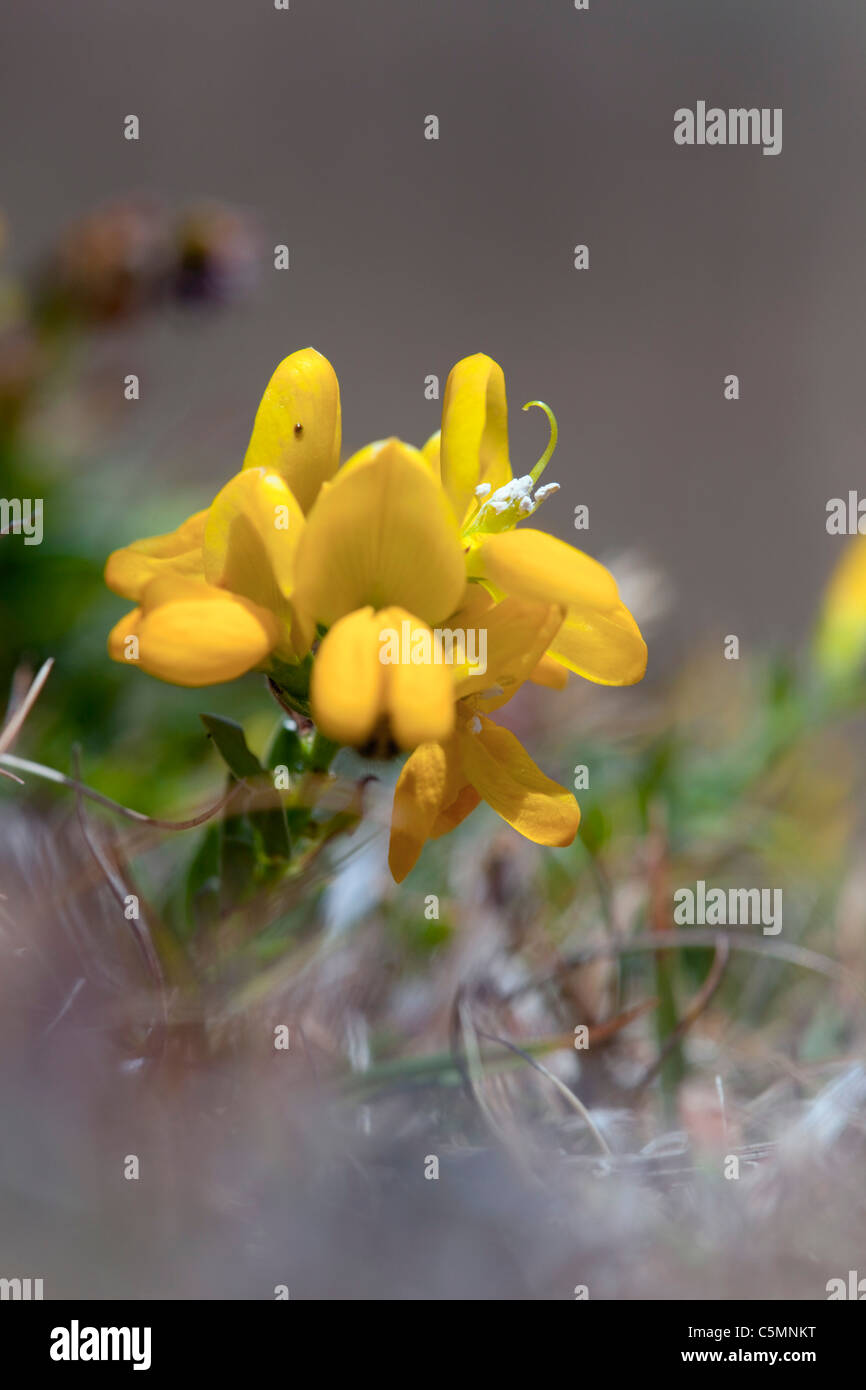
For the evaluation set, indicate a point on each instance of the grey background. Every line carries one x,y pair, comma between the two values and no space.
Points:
556,128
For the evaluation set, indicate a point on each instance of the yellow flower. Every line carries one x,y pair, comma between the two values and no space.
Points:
443,781
380,548
599,638
577,623
243,546
379,538
840,641
295,551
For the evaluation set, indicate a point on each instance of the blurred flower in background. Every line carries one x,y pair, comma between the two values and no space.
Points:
133,255
840,639
125,265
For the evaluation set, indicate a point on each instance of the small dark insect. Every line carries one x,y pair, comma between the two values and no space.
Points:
299,430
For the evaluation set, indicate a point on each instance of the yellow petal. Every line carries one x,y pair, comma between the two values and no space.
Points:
533,565
513,636
381,535
347,687
371,452
253,530
368,678
604,647
192,634
475,604
455,812
361,456
127,571
119,648
502,771
550,673
430,781
297,430
474,446
419,692
431,453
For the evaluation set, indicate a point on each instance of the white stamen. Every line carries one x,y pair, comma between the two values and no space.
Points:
475,725
511,494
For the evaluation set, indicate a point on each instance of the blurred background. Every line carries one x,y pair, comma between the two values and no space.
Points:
556,129
305,127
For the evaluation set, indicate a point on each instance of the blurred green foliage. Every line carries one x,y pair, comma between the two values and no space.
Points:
123,264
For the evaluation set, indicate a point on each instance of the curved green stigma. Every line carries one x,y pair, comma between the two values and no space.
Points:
554,436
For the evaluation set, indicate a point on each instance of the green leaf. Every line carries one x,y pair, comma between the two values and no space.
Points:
232,747
245,767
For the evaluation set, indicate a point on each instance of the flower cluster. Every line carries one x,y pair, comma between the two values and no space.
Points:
299,565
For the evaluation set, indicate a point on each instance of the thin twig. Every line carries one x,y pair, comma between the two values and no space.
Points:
119,889
573,1100
468,1062
692,1013
13,726
50,774
695,936
66,1006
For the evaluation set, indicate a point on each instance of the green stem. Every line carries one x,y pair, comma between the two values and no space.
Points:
322,753
673,1067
